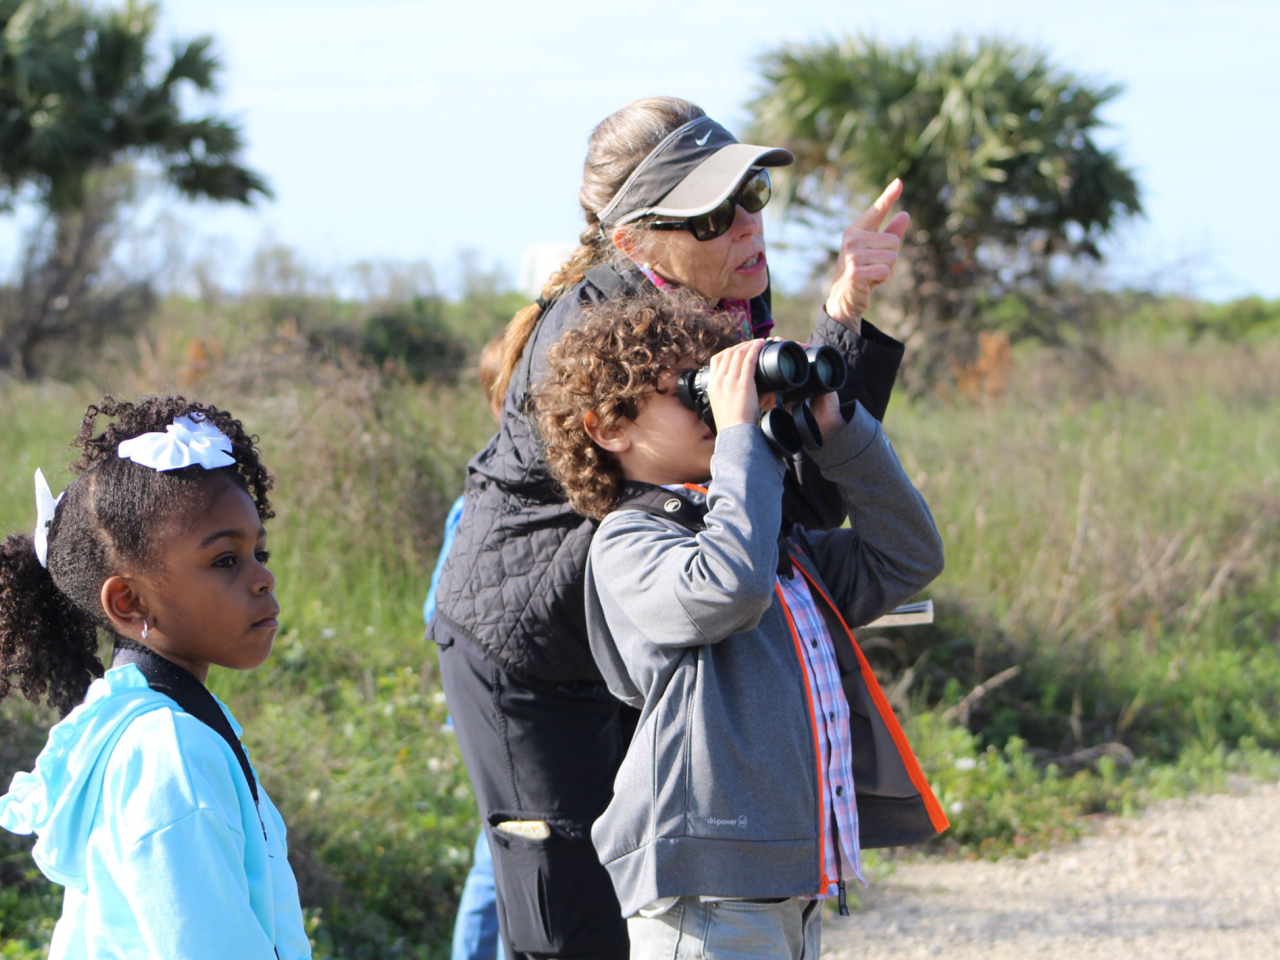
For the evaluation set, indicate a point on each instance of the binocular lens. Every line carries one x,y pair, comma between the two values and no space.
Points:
782,366
787,366
827,370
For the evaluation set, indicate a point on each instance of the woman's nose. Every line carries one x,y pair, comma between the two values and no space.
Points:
746,223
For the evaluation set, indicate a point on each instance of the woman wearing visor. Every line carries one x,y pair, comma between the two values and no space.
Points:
671,199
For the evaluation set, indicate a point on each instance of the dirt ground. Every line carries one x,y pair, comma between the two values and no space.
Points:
1193,879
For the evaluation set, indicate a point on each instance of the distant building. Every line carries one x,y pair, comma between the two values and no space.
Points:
539,262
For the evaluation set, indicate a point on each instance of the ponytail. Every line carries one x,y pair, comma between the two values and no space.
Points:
48,647
521,327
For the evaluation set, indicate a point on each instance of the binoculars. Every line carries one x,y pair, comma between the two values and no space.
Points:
790,370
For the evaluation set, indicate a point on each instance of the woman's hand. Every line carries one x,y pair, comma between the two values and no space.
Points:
867,258
826,410
731,384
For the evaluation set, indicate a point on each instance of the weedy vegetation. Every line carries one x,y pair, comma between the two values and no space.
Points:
1108,625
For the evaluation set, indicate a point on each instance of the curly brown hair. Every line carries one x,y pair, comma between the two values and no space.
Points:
610,365
110,519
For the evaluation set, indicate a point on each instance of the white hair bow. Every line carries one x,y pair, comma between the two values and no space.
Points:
46,504
188,441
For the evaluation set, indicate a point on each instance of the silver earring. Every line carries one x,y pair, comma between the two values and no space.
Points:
144,630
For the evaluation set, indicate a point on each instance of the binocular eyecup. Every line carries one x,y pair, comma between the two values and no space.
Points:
790,370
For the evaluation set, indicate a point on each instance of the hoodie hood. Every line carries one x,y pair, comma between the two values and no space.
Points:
58,800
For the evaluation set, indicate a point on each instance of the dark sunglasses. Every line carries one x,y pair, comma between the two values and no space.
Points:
752,194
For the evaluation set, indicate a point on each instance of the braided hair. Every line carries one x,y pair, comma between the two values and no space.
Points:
111,520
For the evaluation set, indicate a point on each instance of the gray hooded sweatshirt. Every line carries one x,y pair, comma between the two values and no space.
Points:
719,793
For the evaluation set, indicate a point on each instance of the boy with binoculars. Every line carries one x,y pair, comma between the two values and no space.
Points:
766,756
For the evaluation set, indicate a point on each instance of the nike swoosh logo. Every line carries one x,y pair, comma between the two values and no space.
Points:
705,137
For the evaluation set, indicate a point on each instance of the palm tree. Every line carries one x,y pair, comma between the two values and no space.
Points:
85,99
995,146
81,89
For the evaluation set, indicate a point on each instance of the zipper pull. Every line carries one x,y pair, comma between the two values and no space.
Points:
842,899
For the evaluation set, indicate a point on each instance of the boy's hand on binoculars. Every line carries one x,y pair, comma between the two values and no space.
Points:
731,384
867,258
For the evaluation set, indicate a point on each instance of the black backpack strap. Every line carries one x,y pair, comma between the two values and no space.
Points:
607,280
164,676
661,502
648,498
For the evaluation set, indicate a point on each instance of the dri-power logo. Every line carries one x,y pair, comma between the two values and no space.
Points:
739,822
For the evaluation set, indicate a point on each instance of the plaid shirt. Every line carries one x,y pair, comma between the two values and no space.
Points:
831,714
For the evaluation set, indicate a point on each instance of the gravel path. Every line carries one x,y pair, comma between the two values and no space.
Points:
1193,879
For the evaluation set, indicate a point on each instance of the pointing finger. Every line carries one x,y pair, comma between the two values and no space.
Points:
875,215
865,240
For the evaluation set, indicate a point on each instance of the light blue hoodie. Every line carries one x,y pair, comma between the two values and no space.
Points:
144,815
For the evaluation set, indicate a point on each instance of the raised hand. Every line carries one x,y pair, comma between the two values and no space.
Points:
867,257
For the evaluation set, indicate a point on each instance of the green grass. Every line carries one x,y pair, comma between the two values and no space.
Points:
1114,537
1119,547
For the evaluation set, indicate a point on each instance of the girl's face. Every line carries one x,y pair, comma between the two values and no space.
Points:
213,599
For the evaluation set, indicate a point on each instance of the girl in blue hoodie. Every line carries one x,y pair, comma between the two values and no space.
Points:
143,801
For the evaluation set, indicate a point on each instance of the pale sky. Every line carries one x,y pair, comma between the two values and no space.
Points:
413,129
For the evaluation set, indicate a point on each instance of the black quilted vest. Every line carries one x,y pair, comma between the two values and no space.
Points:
512,583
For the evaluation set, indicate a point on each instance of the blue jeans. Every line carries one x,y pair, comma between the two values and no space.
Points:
475,931
729,930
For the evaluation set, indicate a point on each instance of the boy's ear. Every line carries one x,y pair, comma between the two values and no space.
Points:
613,439
124,605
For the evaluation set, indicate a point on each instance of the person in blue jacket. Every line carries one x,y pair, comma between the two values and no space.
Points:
143,801
475,928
